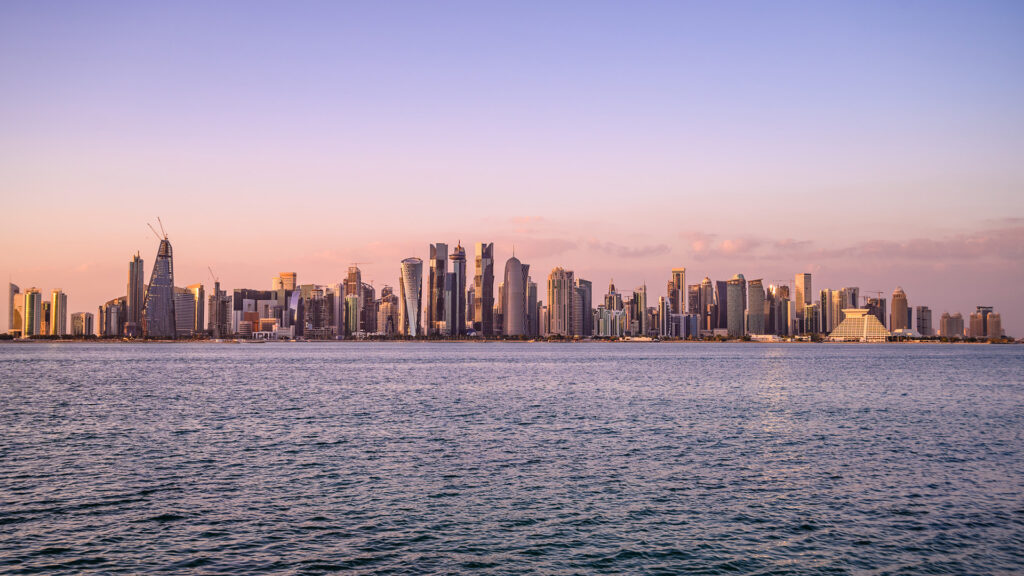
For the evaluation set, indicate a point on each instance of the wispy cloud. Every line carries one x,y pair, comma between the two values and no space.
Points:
621,251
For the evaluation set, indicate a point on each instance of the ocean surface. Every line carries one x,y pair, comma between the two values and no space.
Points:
508,458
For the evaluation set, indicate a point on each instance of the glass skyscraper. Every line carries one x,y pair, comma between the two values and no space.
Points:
158,312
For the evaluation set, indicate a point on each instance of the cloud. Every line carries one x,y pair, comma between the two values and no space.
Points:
613,249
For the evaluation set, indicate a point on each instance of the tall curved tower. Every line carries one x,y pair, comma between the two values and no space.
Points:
158,310
900,319
409,303
514,299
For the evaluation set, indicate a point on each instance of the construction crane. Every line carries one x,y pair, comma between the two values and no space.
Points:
877,293
212,275
155,233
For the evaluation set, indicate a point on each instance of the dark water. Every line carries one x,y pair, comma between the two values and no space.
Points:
510,459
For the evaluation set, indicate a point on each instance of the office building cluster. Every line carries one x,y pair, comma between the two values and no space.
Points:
457,306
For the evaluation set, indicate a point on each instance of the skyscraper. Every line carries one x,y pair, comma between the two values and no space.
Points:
455,296
354,287
199,295
58,313
994,330
586,293
640,302
185,312
532,308
924,321
677,296
13,321
900,307
561,292
514,314
410,300
802,296
755,309
81,324
285,281
876,307
136,298
707,302
483,317
158,310
437,268
32,313
734,303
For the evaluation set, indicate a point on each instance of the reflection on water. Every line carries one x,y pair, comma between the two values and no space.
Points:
511,458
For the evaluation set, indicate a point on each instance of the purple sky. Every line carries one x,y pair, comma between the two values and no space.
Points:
872,144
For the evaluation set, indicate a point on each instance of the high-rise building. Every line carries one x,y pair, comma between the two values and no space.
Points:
58,313
561,293
13,319
693,302
136,298
483,317
586,293
199,299
876,307
354,287
81,324
220,305
734,303
411,285
577,311
158,310
184,312
612,300
951,326
32,313
44,320
983,313
755,309
533,308
515,312
677,292
455,294
720,307
802,296
994,330
898,321
924,321
284,281
640,310
437,269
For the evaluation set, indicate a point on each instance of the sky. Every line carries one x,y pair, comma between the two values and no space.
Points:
873,144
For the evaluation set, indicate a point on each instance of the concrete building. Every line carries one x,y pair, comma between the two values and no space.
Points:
951,325
900,311
81,324
483,289
994,330
184,312
859,326
532,309
876,307
13,314
437,270
677,292
410,299
58,313
561,293
136,294
158,311
586,294
32,313
515,311
734,303
199,302
924,321
455,294
284,281
756,307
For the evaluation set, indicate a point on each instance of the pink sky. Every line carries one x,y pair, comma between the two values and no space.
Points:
874,145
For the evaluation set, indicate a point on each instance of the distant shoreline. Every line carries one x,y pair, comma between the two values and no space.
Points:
112,341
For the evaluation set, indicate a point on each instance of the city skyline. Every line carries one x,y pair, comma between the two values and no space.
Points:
734,308
871,145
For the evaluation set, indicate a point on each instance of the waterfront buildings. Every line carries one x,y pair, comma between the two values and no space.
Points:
951,325
677,291
755,308
184,312
410,299
515,312
561,293
132,321
859,325
158,310
81,324
32,313
13,311
924,321
58,316
585,291
437,270
900,319
483,289
455,294
284,281
734,303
